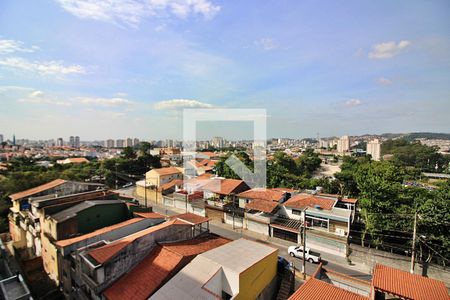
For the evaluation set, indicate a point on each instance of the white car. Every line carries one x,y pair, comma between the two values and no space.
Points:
297,251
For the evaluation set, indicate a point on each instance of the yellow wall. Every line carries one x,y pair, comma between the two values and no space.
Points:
152,195
253,280
50,259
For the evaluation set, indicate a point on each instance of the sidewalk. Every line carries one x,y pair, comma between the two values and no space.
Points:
333,262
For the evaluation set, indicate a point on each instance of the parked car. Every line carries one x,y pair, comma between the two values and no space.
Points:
297,251
283,264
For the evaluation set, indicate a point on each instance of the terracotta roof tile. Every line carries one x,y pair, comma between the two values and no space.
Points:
171,184
190,218
158,267
407,285
303,201
68,242
105,253
264,194
262,205
314,289
149,215
167,171
77,160
38,189
223,186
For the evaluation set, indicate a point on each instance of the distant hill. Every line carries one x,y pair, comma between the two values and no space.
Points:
418,135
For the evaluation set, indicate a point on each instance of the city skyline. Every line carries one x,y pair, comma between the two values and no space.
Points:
127,70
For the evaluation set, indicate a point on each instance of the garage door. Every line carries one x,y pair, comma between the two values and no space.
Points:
285,235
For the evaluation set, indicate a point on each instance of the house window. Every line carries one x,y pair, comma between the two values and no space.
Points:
317,222
297,212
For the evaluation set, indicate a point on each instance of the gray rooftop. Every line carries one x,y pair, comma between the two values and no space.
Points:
74,210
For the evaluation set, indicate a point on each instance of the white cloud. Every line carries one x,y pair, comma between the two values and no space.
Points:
11,46
388,49
177,104
384,81
131,12
38,97
44,68
266,44
352,102
116,101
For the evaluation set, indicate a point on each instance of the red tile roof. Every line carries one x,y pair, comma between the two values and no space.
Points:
303,201
171,184
159,266
264,194
407,285
68,242
105,253
284,190
314,289
223,186
38,189
262,205
167,171
150,215
190,218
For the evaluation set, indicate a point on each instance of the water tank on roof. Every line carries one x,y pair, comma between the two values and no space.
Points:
317,206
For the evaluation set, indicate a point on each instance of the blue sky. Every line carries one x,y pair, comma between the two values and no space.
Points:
113,69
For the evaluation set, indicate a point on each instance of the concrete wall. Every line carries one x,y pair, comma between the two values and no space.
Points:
131,255
366,258
238,221
257,227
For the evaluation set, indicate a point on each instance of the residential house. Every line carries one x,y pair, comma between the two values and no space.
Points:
26,215
99,265
164,261
80,219
218,193
241,269
153,186
68,247
387,283
260,206
328,221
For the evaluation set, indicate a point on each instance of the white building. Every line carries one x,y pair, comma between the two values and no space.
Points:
60,142
343,144
109,143
120,143
129,142
374,149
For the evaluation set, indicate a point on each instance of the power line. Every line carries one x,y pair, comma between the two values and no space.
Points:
435,251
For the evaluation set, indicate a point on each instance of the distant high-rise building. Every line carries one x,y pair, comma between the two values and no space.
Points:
1,138
217,142
71,141
120,143
374,149
170,143
109,143
343,144
136,142
77,142
60,142
128,142
14,140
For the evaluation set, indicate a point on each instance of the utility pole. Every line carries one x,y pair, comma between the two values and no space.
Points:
304,250
116,178
413,252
